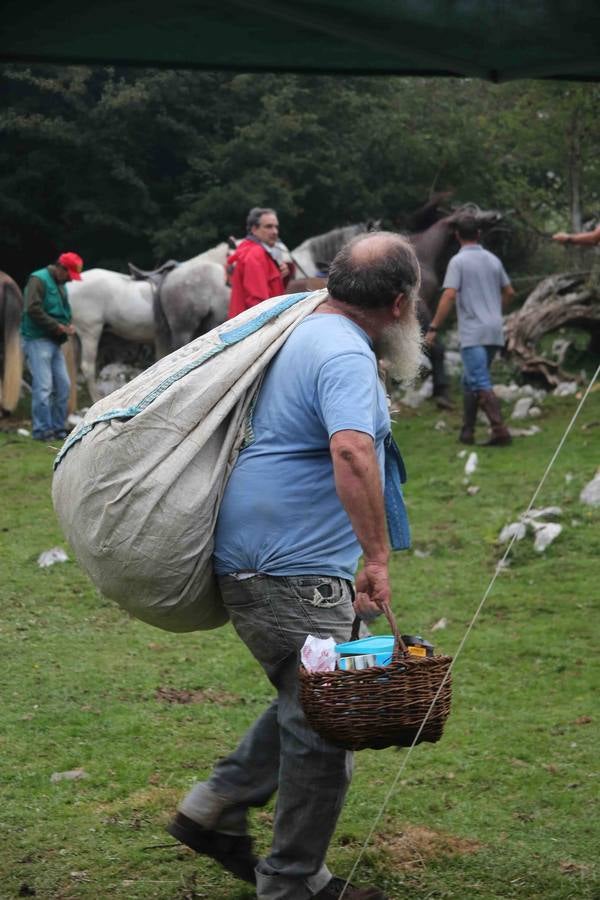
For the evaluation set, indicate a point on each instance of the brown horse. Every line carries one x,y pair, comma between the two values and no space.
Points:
11,372
437,244
434,246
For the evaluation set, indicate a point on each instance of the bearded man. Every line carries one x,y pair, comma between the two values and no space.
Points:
309,494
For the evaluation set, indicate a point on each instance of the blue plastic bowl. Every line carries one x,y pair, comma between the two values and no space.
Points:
381,645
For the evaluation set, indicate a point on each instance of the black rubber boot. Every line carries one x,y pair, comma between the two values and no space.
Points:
470,406
232,852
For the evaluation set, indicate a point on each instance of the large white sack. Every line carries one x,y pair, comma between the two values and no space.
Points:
138,485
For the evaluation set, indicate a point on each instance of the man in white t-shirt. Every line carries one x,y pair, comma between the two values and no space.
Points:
477,282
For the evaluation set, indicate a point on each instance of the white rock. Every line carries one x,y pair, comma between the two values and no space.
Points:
506,391
471,464
70,775
516,529
559,349
569,477
452,341
49,557
534,412
565,388
545,512
545,533
453,362
413,397
525,432
461,454
440,624
23,432
440,425
473,489
521,408
590,495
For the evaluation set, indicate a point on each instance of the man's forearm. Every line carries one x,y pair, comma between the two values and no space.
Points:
358,486
507,296
580,237
444,308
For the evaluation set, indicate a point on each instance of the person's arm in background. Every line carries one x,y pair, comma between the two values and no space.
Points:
444,309
507,295
358,485
581,237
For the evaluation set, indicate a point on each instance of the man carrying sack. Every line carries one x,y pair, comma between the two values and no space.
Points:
305,498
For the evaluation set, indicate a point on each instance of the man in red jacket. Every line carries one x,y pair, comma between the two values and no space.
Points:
258,274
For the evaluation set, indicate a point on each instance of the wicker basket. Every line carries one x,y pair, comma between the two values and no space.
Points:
380,706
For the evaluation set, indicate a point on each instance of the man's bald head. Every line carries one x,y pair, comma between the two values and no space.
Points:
373,269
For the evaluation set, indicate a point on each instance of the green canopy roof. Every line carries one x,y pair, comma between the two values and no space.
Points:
494,39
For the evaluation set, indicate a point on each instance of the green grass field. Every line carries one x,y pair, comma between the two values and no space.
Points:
505,806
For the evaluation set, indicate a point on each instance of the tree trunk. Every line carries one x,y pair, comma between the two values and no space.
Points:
561,300
574,174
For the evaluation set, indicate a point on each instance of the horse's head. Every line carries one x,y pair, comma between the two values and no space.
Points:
485,218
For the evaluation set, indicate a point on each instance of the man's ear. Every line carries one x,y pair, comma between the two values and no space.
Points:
399,306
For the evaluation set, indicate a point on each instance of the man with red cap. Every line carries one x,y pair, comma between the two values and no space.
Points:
46,325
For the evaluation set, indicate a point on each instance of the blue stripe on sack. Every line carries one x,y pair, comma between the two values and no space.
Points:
227,339
242,331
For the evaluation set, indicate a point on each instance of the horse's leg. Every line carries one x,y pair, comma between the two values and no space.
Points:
182,336
163,338
70,353
89,352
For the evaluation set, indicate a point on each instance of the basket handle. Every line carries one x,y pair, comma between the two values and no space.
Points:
399,645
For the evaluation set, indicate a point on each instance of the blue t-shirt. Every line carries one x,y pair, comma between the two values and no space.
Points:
281,514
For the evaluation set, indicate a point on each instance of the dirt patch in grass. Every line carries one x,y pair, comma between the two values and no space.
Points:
210,695
414,846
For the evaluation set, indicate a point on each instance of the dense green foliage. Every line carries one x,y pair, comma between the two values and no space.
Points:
146,165
503,807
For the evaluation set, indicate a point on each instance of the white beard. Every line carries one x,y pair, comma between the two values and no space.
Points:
400,349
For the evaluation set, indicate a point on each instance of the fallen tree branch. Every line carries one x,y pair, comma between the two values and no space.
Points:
566,299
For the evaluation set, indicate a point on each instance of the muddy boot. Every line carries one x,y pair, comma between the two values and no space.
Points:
470,404
491,407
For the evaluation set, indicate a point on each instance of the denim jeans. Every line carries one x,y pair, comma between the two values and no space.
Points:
476,367
280,752
50,386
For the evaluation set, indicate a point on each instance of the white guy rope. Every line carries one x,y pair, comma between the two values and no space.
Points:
470,626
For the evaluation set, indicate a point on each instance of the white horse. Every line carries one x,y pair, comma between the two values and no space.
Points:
193,299
313,256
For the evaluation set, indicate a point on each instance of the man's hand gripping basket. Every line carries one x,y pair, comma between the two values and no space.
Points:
380,706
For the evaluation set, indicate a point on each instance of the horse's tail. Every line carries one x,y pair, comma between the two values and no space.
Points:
11,310
163,340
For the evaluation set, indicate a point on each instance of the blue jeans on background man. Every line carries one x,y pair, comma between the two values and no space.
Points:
476,367
50,387
478,394
281,752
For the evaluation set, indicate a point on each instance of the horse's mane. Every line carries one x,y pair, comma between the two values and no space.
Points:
323,247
